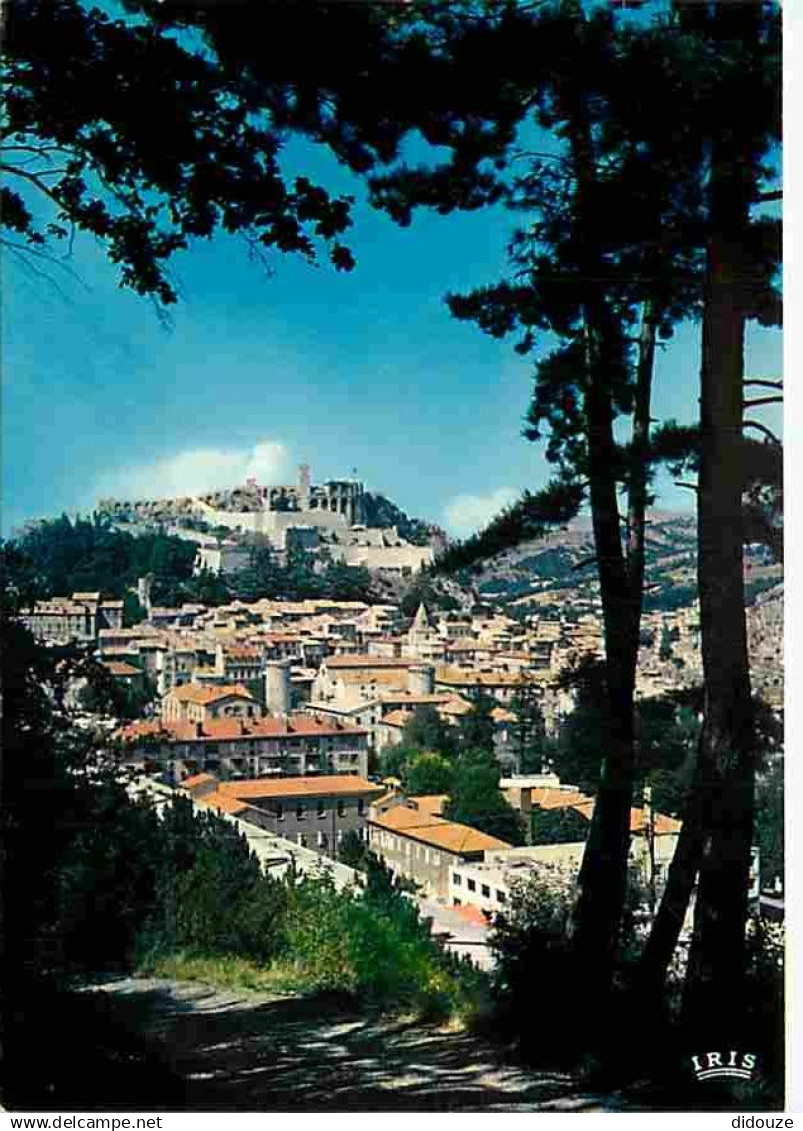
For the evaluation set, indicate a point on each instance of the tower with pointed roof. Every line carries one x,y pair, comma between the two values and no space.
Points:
422,637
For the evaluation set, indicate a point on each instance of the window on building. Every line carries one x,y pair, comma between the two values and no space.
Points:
456,879
302,840
320,809
300,814
361,806
471,885
501,897
457,903
341,808
486,891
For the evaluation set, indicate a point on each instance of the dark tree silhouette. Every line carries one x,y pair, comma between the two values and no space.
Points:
117,129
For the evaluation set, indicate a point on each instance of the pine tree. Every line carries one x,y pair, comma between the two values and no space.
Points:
734,291
729,48
594,267
476,800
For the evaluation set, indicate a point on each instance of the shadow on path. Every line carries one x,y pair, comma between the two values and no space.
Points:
235,1051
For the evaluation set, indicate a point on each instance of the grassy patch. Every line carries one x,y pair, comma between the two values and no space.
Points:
226,971
442,996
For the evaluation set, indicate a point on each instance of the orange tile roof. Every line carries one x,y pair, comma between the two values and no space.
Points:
460,676
233,729
663,825
436,832
396,718
195,780
456,706
500,715
547,798
344,785
431,803
222,801
143,728
402,818
120,667
196,693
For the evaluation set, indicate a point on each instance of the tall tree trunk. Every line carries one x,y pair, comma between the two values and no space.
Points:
717,958
602,881
603,875
681,878
714,991
717,828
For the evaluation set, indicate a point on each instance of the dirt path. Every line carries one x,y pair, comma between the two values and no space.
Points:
237,1051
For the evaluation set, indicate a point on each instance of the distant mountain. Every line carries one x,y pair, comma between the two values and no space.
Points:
564,560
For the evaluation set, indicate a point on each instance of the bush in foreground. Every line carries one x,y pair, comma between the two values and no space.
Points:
218,916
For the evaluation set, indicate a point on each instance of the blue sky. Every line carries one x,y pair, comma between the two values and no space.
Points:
262,371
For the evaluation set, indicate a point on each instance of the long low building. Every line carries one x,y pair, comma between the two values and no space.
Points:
312,812
489,883
425,848
274,745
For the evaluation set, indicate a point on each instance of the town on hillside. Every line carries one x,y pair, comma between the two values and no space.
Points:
327,729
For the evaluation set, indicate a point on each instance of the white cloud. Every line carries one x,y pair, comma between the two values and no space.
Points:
466,514
198,470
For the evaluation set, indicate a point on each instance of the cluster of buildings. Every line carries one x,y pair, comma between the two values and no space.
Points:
272,712
269,712
268,686
81,617
307,687
446,862
318,685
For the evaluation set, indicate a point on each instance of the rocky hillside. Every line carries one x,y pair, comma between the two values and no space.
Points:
564,560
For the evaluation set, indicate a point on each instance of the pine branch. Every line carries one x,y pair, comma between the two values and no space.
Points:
530,517
763,429
762,400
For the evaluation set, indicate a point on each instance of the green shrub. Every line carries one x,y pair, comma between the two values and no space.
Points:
375,948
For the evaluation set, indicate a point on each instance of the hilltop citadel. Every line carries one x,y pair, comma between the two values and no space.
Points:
331,516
